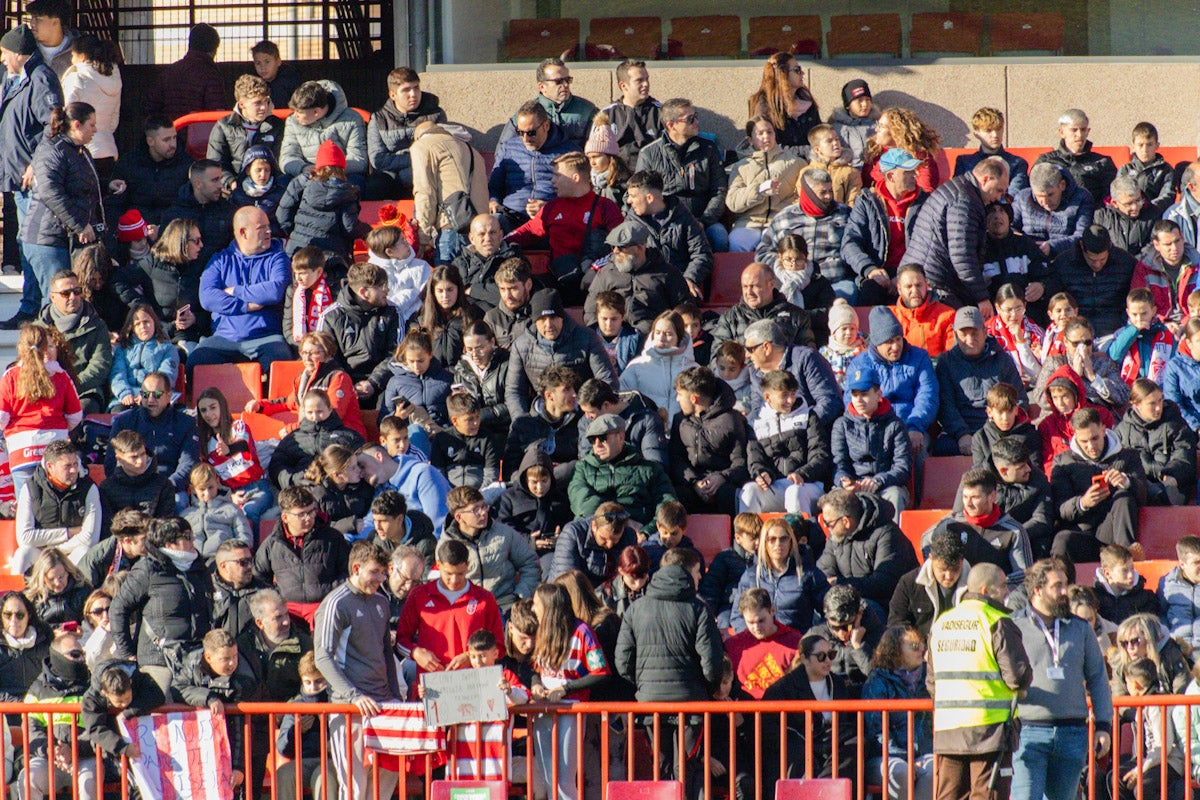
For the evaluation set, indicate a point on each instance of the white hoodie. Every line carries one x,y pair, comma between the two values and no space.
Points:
83,83
406,282
653,373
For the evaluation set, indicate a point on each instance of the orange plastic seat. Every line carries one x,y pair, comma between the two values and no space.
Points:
864,34
535,39
727,278
96,473
1152,570
1026,32
238,382
282,378
952,155
946,33
914,523
624,37
1177,155
710,533
718,36
8,547
942,474
1119,155
798,35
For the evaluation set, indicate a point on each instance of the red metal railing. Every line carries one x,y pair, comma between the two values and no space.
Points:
594,729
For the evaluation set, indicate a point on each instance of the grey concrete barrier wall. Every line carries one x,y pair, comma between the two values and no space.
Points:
1116,93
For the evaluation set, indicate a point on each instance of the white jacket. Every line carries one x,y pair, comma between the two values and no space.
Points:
406,282
653,373
83,83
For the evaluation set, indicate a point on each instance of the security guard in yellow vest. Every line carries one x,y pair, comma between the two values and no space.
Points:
978,666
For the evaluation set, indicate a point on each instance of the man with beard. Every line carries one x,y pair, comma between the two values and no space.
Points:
1068,669
927,323
638,273
234,583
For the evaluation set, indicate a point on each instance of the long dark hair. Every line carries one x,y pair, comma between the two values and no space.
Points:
61,118
891,645
555,627
433,317
102,54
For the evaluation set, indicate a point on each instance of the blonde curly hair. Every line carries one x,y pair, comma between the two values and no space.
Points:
908,133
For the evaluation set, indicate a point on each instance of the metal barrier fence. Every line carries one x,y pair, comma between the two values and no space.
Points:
608,736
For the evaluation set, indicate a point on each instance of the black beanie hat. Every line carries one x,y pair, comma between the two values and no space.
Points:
854,89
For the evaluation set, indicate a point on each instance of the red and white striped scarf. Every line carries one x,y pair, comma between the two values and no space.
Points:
307,310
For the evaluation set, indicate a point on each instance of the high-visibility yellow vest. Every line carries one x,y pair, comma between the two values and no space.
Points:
969,691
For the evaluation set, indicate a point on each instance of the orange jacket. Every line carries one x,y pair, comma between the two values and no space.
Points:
930,326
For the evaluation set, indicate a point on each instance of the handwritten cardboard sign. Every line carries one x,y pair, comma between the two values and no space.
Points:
464,695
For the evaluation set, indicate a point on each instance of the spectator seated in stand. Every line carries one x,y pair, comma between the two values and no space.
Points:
1120,591
135,482
320,426
1156,431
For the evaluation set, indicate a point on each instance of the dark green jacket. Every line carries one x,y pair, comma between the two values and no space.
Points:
637,484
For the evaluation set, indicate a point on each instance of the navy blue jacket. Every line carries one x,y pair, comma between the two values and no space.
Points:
577,549
521,174
171,439
964,382
1018,168
24,113
866,237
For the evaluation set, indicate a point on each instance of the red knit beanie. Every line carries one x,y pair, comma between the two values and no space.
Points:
330,155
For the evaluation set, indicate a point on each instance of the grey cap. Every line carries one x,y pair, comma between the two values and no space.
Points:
627,234
604,425
968,317
20,41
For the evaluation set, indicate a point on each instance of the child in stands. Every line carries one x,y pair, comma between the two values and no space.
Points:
465,455
827,153
142,347
1154,176
790,462
134,482
621,341
419,384
719,586
322,208
214,518
228,445
313,689
1061,308
1145,345
855,121
1120,591
260,183
407,274
987,125
667,532
1005,418
730,365
1065,393
1155,429
535,505
396,438
845,342
1017,335
311,293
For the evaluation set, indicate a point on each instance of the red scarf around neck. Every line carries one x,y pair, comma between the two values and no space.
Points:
810,204
308,305
987,520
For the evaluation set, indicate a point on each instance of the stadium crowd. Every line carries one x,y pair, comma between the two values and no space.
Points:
482,463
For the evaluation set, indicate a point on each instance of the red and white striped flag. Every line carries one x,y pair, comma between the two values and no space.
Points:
400,729
182,755
481,751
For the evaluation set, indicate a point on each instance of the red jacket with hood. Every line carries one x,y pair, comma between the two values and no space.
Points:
1056,428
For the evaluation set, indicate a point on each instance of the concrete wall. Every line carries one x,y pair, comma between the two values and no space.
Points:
1117,93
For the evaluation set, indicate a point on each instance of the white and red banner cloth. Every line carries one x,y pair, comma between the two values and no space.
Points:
182,755
400,730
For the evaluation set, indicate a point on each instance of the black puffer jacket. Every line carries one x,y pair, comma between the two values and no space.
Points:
61,681
390,132
1167,447
215,220
795,321
148,492
99,725
174,605
20,668
719,586
228,142
488,390
651,289
420,535
151,186
66,194
231,607
524,513
556,438
508,325
714,442
1131,234
1092,171
1072,476
66,606
576,347
479,273
669,646
1101,295
297,450
949,240
692,172
366,337
174,288
875,554
308,574
320,213
343,507
680,239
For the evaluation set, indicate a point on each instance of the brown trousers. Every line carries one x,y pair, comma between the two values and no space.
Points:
967,777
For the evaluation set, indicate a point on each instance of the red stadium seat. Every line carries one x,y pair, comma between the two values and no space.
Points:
798,35
717,36
1011,33
238,382
1030,154
623,37
727,278
283,378
951,32
817,789
1119,155
710,533
575,313
96,473
645,790
951,155
535,39
864,34
1177,155
914,523
263,427
265,526
1160,526
370,418
942,474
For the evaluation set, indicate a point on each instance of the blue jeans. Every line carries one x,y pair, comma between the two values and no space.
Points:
1049,761
718,237
847,290
31,293
219,350
448,246
258,500
44,262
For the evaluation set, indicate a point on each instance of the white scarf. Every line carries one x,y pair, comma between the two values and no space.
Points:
24,642
182,559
